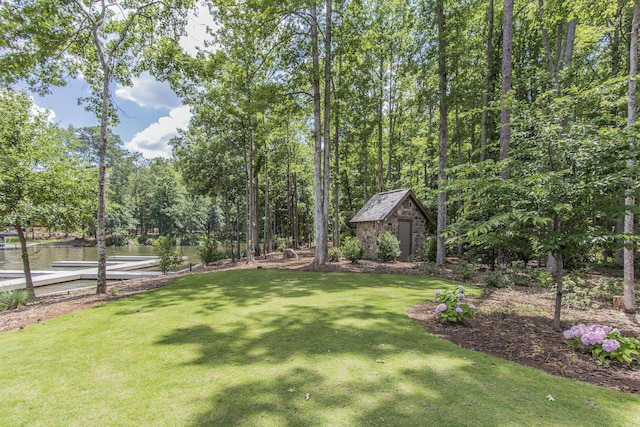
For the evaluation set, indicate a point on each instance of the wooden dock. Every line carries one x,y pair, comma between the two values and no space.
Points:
118,269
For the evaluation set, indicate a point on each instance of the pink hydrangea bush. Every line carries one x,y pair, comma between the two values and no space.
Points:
604,343
450,307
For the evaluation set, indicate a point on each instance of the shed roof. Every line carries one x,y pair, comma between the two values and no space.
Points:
381,205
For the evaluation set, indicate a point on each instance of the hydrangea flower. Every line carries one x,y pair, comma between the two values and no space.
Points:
610,345
440,308
459,310
461,288
438,292
461,296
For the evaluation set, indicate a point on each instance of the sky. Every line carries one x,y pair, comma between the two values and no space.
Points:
150,112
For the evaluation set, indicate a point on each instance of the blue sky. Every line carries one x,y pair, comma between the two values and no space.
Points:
150,112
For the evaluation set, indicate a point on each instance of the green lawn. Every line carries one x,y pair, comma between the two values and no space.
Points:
245,347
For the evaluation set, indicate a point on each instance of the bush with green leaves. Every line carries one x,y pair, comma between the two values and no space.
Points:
388,247
577,292
351,249
428,250
464,270
281,243
450,307
13,299
604,343
431,268
117,240
208,251
165,250
143,239
495,279
335,254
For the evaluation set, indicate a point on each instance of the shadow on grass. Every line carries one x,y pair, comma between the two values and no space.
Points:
361,360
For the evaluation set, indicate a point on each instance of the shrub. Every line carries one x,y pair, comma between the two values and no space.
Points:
143,239
13,299
464,270
388,247
604,343
335,254
431,268
281,243
208,251
545,280
576,292
351,249
495,279
165,251
605,288
116,240
451,309
428,250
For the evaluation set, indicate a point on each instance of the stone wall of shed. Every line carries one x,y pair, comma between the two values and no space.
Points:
368,232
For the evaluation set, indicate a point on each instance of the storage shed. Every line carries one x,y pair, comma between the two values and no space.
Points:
397,211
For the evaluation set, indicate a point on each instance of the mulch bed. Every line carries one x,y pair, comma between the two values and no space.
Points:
531,341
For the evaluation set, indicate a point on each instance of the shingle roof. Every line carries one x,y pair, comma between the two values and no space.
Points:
381,205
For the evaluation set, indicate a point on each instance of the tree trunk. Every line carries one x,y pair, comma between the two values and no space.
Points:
326,189
28,281
296,216
267,211
557,279
379,114
336,179
101,287
505,114
365,168
238,240
486,82
442,158
318,175
628,299
250,195
459,201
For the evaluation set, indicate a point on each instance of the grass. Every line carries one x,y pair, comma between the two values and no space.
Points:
277,348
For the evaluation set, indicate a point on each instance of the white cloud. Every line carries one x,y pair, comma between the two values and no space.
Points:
197,30
48,113
147,92
153,141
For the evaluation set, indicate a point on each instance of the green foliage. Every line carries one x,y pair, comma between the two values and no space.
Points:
450,307
351,249
464,270
584,291
117,240
143,239
545,279
13,299
388,247
164,248
604,343
430,268
604,288
495,279
281,243
208,251
335,254
428,250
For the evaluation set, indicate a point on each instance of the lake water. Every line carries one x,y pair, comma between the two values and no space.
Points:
41,259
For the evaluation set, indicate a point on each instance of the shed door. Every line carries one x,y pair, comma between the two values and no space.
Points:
404,235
